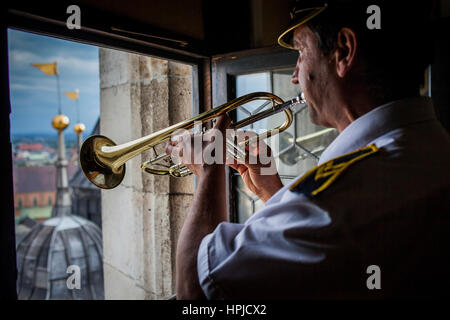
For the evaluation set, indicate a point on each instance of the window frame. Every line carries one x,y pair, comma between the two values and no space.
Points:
224,70
21,20
98,36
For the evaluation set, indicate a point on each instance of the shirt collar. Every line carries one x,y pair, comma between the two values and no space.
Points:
377,122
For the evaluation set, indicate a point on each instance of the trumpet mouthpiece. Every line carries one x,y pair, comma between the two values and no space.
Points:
302,98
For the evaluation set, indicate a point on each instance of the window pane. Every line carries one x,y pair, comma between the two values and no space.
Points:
47,77
296,150
310,139
134,95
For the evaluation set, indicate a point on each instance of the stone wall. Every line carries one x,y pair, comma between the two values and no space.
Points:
142,217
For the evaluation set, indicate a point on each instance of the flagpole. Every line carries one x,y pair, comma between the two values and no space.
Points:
59,94
78,110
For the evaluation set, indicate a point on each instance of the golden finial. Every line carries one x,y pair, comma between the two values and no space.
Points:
60,122
79,128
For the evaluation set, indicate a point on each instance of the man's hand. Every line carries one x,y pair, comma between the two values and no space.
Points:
258,170
202,151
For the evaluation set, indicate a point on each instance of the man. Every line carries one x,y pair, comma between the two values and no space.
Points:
371,221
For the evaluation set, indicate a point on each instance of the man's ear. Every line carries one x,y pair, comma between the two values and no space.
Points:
345,53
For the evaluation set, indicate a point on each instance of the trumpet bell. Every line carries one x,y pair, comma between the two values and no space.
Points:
99,174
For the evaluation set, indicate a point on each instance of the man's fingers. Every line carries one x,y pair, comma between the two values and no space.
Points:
238,167
178,152
168,148
222,122
174,151
175,139
241,134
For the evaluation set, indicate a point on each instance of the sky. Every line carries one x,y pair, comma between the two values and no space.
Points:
34,99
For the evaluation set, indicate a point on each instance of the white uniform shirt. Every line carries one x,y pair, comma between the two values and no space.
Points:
389,210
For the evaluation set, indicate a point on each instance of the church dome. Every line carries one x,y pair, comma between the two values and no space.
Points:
49,253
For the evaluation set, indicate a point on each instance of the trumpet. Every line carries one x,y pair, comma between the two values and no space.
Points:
103,162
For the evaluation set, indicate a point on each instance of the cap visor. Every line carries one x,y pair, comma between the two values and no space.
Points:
301,16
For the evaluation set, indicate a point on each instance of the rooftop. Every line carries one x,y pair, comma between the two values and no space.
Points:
38,178
35,146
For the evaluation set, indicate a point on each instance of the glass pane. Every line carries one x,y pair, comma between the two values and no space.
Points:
137,95
253,82
296,150
50,76
250,83
299,147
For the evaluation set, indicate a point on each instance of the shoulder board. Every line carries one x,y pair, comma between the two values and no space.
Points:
321,177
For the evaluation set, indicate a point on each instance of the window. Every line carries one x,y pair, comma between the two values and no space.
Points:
295,150
136,95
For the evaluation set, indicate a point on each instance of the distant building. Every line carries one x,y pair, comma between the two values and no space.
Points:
86,198
23,228
86,201
35,191
33,154
34,146
62,257
45,253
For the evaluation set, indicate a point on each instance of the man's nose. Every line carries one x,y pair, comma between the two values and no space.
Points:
294,78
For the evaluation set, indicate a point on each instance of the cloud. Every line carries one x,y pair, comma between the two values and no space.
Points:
80,65
33,95
51,87
19,58
26,87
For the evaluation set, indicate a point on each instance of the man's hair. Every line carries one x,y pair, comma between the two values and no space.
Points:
393,57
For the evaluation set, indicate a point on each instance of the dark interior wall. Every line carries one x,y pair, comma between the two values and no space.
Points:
227,25
206,27
440,69
180,16
7,234
269,19
163,26
231,25
238,25
440,74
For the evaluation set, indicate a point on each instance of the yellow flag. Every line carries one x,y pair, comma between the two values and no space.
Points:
49,69
72,95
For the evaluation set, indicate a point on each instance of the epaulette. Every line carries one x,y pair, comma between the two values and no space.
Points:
321,177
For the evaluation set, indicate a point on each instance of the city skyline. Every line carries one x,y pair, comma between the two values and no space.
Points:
34,99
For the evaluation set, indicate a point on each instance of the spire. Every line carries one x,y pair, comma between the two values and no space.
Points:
79,126
63,202
60,122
